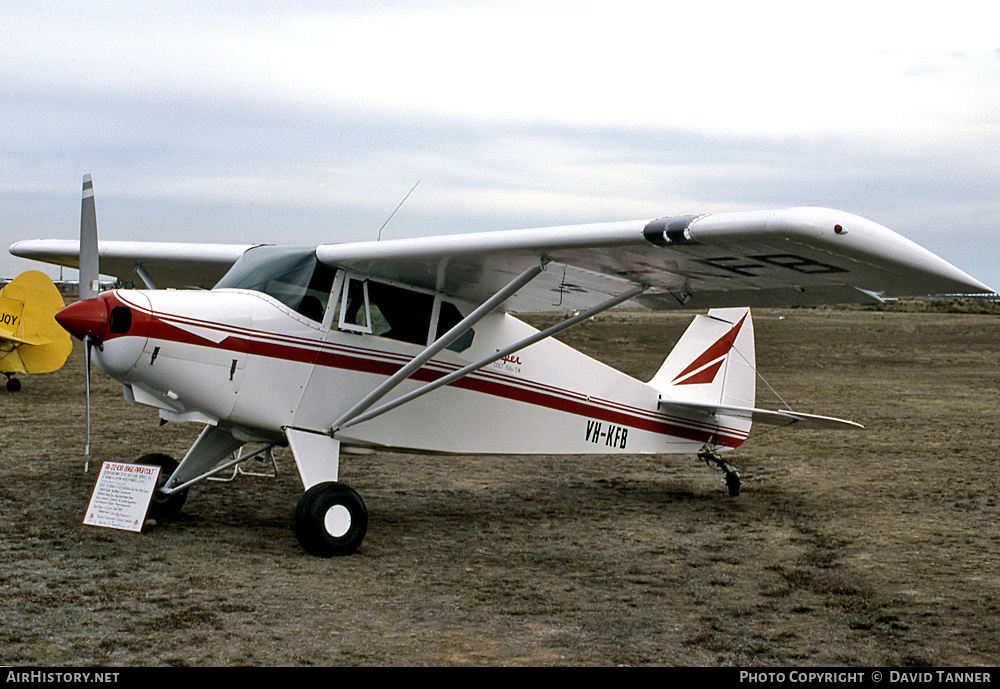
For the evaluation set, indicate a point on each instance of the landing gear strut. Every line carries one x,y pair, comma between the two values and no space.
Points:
710,457
164,506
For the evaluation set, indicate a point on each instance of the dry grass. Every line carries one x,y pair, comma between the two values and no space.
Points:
865,548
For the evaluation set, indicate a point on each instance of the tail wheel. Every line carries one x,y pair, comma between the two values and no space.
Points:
164,506
710,457
733,482
330,519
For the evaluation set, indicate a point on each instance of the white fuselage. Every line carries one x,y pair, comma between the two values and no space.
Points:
243,360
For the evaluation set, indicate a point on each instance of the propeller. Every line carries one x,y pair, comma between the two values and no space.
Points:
87,318
90,282
86,365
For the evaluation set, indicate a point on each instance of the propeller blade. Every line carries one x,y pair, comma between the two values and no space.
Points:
89,268
90,285
86,362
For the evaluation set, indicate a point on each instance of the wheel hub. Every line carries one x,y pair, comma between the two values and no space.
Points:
337,521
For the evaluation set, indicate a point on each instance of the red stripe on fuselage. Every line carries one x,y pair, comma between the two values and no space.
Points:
328,355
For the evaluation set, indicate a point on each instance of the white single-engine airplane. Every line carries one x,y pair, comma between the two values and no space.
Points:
410,345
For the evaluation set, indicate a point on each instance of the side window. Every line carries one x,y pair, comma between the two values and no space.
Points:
377,308
400,314
354,306
397,313
317,293
448,319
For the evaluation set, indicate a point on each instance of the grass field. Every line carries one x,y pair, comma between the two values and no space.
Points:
874,547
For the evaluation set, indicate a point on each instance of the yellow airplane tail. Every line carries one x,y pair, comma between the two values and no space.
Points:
31,341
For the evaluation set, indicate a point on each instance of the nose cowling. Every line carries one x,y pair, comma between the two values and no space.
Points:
85,318
118,322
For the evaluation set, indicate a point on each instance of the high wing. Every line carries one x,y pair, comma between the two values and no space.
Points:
797,256
166,264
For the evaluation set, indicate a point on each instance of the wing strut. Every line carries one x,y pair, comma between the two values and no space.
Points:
402,374
140,270
516,347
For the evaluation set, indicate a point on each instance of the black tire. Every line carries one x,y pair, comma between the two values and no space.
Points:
164,506
13,385
331,519
733,483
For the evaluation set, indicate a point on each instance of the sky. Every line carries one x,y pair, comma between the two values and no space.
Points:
306,122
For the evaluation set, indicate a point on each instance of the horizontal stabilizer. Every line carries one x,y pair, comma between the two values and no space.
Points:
779,417
32,340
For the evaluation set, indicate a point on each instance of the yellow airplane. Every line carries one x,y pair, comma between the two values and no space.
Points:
31,341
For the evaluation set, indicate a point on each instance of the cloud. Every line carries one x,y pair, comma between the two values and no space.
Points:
269,121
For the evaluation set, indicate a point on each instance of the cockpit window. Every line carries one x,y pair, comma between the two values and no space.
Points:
354,307
400,314
396,312
385,310
292,275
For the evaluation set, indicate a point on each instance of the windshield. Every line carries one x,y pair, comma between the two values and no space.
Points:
292,275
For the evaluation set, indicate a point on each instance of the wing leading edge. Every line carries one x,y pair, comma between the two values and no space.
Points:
798,256
169,264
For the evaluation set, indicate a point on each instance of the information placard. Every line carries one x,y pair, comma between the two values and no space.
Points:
121,496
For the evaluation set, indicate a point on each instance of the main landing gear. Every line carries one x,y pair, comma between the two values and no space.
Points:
331,519
164,506
13,384
710,457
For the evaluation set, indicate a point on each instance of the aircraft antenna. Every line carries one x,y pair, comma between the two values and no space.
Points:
394,211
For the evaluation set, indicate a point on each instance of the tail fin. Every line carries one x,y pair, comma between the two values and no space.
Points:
713,363
31,341
711,374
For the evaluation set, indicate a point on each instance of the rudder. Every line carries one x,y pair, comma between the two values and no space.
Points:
713,362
